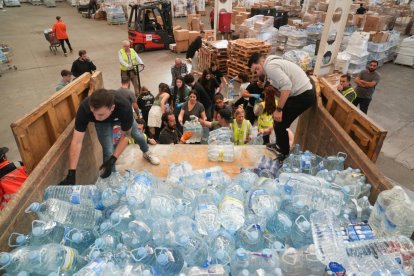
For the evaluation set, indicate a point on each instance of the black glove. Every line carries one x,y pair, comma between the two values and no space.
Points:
107,166
70,178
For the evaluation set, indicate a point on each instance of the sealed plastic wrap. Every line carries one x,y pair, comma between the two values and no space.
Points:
296,39
115,15
195,128
342,62
314,32
282,36
310,49
299,57
358,44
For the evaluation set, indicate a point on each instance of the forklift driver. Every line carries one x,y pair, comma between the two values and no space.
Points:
149,21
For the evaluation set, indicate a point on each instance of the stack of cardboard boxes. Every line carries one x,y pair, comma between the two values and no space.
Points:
182,37
238,16
194,22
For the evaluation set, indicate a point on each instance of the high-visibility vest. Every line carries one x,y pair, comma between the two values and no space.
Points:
349,94
264,121
125,58
240,134
13,178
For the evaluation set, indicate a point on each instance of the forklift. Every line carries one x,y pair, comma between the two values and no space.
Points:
150,26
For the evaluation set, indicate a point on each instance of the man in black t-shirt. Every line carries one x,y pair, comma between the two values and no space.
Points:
361,9
105,109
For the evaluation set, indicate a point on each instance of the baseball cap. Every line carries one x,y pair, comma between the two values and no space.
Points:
3,151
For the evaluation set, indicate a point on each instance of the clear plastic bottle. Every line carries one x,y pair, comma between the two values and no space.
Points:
280,225
250,237
163,234
206,215
223,151
79,239
169,262
102,266
301,234
222,247
193,249
144,255
291,262
246,179
335,162
205,177
162,205
240,264
231,214
364,208
265,261
109,197
311,265
294,208
398,219
16,260
107,242
141,233
121,217
139,190
260,202
62,212
46,232
86,195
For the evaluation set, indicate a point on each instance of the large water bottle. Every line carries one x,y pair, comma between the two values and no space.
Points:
398,219
62,212
141,233
240,264
110,197
246,179
107,242
79,239
163,234
260,202
213,176
115,181
55,257
294,208
222,247
385,198
44,232
144,255
206,215
162,205
102,266
335,162
185,201
311,264
212,270
137,269
139,190
231,213
223,151
194,250
301,234
364,208
16,260
251,237
121,217
87,195
280,225
265,262
169,262
291,262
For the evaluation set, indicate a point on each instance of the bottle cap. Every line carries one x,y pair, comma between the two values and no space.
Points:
5,258
38,231
245,272
306,225
241,254
132,201
77,237
20,239
267,252
184,239
99,242
162,259
33,255
142,252
115,217
35,207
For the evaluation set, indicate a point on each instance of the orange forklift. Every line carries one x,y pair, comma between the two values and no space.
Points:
150,26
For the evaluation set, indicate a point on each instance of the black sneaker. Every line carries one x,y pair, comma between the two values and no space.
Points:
273,148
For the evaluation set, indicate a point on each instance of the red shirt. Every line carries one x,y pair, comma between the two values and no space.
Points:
59,28
11,182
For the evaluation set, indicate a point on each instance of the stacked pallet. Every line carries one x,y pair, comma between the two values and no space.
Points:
240,51
213,51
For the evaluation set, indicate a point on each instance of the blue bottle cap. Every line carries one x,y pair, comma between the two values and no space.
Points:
99,242
77,237
142,252
162,259
20,239
241,254
115,217
336,268
306,225
5,258
38,231
35,206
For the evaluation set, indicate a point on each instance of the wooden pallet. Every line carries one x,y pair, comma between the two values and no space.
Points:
213,51
116,23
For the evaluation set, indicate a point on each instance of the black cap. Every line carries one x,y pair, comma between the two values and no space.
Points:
225,113
3,151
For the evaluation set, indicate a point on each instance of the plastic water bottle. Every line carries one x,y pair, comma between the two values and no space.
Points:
398,219
62,212
141,233
365,190
223,151
46,232
280,224
291,262
79,239
311,264
240,264
212,270
364,208
113,181
231,213
246,179
16,260
222,247
144,255
137,269
206,215
385,198
86,195
336,162
301,234
109,197
102,266
162,205
169,262
184,226
250,237
54,257
193,249
121,217
260,202
202,178
265,262
106,242
327,175
139,190
163,234
294,208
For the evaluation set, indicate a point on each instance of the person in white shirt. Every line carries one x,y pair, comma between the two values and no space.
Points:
129,61
296,95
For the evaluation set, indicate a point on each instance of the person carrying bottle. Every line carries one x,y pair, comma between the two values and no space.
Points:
296,95
241,128
223,120
104,108
129,61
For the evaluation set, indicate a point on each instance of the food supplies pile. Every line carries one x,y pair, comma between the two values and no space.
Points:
307,217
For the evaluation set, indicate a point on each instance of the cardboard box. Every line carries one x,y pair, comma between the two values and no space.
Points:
374,23
181,35
359,20
242,9
238,19
193,35
195,24
191,16
380,37
181,46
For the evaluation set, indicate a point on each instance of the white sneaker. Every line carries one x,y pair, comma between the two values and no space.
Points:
152,158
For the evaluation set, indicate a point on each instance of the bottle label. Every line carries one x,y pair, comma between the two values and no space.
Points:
75,196
389,225
231,202
69,260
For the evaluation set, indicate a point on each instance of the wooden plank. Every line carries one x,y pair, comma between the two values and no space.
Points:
37,131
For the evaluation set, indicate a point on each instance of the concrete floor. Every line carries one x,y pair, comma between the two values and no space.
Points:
39,72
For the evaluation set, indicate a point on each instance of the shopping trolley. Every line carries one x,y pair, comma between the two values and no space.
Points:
51,38
5,59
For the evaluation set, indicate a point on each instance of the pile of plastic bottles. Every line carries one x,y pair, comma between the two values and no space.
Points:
195,128
220,147
202,222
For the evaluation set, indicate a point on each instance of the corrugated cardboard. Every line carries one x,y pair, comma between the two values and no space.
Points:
195,24
374,23
181,46
191,16
380,37
181,35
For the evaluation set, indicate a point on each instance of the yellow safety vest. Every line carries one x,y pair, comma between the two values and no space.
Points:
240,134
125,58
350,94
265,120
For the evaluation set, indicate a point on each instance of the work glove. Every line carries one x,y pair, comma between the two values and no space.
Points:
179,105
186,135
256,96
106,167
70,178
